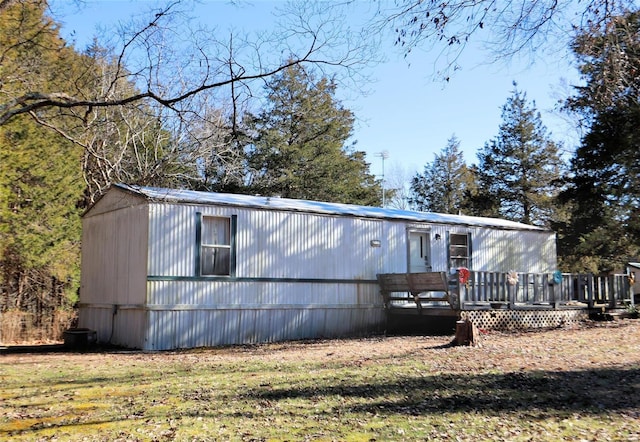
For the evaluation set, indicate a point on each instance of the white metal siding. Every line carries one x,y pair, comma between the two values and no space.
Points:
492,249
98,319
114,277
504,250
125,327
198,313
297,274
257,293
275,244
242,325
296,245
114,257
395,251
270,244
439,247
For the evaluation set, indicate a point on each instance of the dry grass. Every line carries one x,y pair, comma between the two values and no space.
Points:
581,383
19,327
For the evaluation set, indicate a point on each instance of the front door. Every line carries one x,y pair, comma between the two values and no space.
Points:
419,252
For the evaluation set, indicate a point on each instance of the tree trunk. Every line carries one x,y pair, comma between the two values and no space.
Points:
467,333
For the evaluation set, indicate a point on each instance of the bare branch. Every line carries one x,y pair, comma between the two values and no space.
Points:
170,66
505,27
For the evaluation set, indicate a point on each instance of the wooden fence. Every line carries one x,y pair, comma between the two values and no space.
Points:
539,289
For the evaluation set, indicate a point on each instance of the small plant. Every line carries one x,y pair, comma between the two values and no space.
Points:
632,311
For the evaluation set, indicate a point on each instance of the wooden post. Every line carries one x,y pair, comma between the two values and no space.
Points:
462,291
589,278
467,333
613,293
491,287
554,299
512,292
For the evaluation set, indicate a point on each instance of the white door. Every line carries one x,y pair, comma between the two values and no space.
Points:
419,252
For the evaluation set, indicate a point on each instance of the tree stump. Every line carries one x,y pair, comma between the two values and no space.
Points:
467,333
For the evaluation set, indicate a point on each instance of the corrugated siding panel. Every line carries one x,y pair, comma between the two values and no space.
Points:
209,293
123,327
502,251
114,257
200,313
270,244
98,319
129,326
395,252
295,245
205,328
439,252
172,240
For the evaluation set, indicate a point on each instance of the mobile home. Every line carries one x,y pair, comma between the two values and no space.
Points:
165,268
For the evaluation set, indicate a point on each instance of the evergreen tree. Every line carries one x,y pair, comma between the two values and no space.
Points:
604,192
40,175
519,169
299,144
40,184
443,184
603,196
609,62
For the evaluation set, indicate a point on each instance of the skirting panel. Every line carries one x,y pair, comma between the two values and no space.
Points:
116,326
170,329
523,319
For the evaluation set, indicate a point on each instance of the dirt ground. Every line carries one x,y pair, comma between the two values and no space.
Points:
582,346
579,382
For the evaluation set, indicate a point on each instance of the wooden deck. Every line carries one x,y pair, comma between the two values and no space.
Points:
442,294
420,287
432,302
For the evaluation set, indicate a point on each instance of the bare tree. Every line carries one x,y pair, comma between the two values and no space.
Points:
507,27
171,62
397,181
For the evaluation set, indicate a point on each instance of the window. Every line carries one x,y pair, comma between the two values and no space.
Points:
459,250
215,245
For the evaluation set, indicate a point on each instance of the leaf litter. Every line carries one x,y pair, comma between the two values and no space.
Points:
573,383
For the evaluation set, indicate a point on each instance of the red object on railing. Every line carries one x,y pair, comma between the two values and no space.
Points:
463,275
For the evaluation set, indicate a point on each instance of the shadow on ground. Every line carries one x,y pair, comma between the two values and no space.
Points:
591,391
58,348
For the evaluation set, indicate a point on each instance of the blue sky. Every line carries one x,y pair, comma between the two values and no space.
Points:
407,113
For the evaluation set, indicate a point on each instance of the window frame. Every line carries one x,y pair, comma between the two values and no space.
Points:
466,257
233,222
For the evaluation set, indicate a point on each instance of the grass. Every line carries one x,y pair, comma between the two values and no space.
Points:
569,384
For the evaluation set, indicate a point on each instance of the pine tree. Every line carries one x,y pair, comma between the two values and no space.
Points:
299,145
519,169
41,181
443,184
604,192
46,180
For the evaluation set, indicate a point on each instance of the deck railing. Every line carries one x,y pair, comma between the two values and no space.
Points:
541,289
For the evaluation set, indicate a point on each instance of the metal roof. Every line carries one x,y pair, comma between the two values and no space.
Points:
286,204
